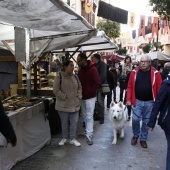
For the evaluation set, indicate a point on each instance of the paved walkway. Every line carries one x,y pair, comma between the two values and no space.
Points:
102,155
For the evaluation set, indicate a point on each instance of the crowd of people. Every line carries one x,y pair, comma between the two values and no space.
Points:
141,90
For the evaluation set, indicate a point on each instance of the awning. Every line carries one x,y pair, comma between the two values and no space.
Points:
98,43
114,58
47,19
155,55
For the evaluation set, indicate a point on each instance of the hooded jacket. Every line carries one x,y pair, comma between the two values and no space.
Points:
90,80
68,91
156,81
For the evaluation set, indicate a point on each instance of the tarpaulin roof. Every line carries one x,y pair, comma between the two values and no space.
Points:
156,55
47,19
114,57
98,43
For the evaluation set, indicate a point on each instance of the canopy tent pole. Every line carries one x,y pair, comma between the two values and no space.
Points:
22,53
75,53
8,47
90,54
28,61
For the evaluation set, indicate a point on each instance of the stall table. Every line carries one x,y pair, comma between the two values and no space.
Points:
32,131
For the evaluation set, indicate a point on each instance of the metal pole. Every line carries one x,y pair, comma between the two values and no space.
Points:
28,62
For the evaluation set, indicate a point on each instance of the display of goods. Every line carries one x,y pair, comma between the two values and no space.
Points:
50,82
17,103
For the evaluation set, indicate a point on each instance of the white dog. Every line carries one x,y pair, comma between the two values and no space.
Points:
118,117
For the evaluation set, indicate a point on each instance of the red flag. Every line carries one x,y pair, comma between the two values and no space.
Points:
166,27
141,31
155,26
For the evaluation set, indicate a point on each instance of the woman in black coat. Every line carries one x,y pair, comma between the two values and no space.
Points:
6,127
162,107
110,81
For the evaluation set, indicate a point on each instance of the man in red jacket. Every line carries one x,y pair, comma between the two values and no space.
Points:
143,86
90,82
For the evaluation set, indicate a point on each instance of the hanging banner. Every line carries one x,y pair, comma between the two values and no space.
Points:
132,19
161,26
148,28
169,31
166,27
131,49
141,31
112,13
89,6
155,26
134,34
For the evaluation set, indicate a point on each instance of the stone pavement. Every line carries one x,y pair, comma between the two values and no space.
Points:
102,155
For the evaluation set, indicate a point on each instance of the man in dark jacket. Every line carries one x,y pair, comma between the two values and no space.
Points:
6,127
162,107
90,82
102,70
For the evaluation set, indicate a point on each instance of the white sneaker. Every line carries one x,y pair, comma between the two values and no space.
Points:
62,142
75,142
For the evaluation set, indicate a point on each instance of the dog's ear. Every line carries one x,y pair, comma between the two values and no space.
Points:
120,104
112,104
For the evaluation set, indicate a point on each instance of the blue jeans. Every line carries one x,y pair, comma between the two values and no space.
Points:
168,151
141,111
87,108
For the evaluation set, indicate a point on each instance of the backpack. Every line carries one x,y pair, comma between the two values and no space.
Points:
61,78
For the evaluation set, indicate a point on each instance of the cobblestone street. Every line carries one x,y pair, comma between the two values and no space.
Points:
102,155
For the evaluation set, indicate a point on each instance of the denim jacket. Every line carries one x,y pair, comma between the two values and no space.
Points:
162,107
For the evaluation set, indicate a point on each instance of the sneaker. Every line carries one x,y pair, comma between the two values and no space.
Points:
89,140
75,142
62,142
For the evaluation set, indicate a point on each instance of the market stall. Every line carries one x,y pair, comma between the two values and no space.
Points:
114,58
32,131
158,58
156,55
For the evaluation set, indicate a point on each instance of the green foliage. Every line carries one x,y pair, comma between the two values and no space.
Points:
146,48
161,7
122,51
156,45
111,28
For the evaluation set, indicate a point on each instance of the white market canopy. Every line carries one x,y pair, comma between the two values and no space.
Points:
98,43
156,55
47,20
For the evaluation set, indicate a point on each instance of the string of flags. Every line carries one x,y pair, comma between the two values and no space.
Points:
148,25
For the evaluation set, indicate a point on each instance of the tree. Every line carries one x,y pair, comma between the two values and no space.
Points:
161,7
149,46
111,28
